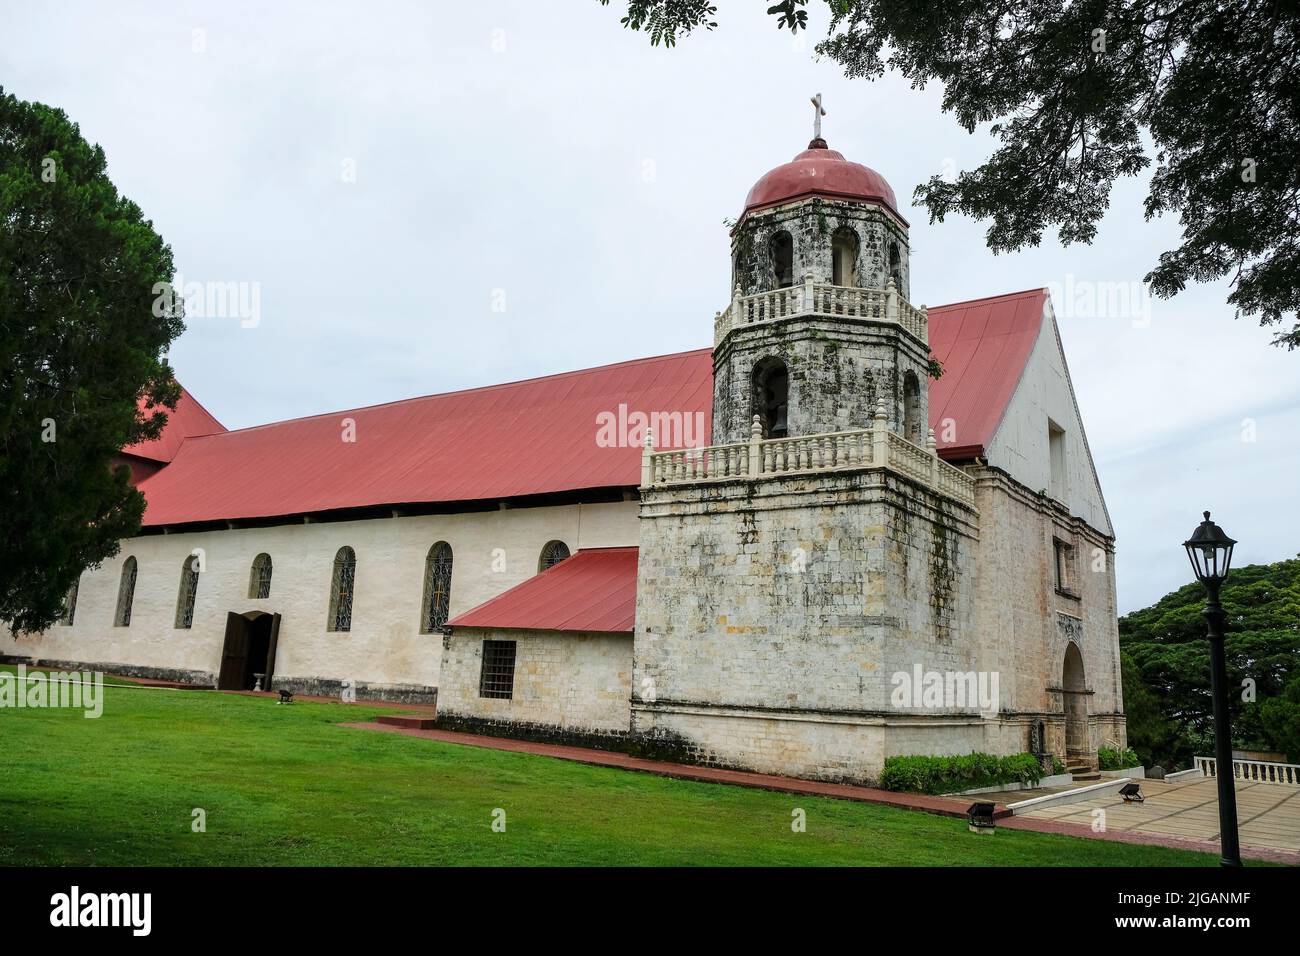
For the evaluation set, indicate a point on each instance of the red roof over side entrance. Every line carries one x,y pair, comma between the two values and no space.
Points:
595,591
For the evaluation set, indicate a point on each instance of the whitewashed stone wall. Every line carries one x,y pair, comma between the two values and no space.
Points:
493,551
566,684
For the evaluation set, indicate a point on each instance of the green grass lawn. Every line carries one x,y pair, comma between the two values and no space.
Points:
286,785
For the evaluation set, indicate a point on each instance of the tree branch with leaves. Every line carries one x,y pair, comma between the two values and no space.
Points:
1080,94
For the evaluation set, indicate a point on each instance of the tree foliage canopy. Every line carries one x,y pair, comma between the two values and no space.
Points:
1080,93
81,345
1166,666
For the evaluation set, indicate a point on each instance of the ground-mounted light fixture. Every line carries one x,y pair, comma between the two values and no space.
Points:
980,818
1210,551
1132,793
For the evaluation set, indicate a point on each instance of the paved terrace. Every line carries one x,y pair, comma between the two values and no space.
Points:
1268,815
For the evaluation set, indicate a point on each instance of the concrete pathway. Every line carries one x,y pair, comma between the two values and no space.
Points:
1268,816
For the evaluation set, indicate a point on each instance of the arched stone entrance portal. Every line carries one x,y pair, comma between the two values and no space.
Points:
249,649
1077,739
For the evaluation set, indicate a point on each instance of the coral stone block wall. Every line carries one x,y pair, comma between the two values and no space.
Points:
773,615
813,225
1024,624
839,369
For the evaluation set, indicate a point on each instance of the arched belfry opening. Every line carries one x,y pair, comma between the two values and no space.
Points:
844,257
913,426
1075,690
896,265
781,246
772,397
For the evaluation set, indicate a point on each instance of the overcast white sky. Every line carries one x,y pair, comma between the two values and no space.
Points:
541,150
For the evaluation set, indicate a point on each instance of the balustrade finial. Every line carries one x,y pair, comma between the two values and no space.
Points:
882,414
931,444
650,439
756,429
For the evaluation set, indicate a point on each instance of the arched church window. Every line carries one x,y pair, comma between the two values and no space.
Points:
782,249
437,588
189,589
552,554
259,578
912,424
772,397
341,587
70,604
125,594
844,257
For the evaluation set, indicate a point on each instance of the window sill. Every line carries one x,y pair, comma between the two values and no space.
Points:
1072,595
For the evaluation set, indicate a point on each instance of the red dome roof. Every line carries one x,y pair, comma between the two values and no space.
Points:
823,172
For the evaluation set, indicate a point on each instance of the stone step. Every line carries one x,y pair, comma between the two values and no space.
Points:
1086,777
409,721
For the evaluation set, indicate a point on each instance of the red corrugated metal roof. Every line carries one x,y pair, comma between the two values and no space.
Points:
188,420
533,437
595,590
525,438
983,346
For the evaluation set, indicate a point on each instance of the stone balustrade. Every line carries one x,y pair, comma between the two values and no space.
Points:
813,298
1254,771
875,447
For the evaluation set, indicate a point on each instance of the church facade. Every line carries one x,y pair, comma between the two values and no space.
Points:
853,528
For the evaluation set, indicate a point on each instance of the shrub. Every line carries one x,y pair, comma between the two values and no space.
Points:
950,774
1108,759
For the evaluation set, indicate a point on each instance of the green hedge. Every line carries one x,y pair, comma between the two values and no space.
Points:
920,774
1108,759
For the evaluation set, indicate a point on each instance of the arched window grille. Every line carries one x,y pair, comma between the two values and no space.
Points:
341,588
552,554
259,578
125,594
70,604
437,588
188,590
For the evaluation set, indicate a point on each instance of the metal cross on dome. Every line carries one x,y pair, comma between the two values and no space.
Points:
818,113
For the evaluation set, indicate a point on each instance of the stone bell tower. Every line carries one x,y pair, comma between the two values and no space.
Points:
820,328
786,573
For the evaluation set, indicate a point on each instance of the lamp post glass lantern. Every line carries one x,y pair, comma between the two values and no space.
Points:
1210,551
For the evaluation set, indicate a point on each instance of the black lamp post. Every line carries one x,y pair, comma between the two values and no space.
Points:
1210,551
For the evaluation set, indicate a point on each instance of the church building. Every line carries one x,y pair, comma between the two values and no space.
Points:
852,528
